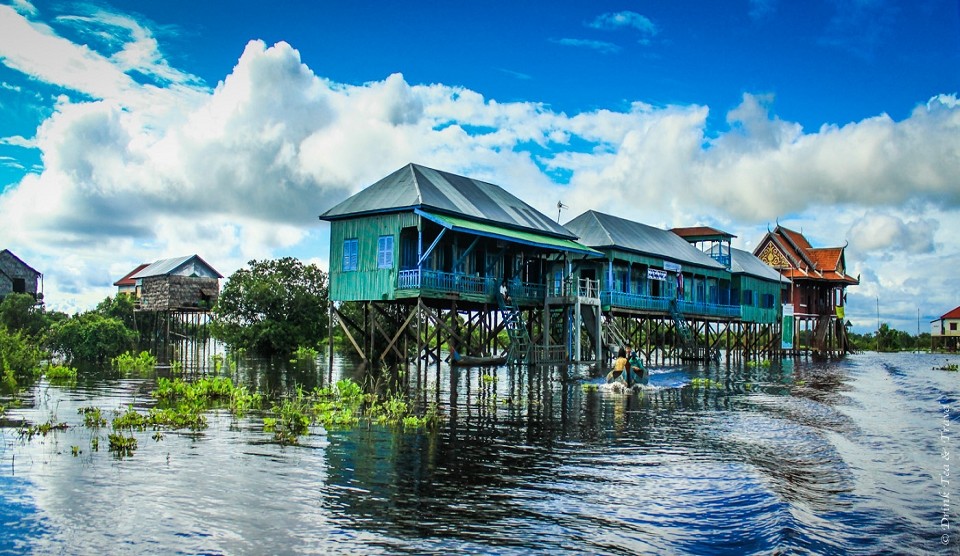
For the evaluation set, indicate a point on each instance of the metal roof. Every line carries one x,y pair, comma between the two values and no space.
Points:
416,186
744,262
599,230
524,237
165,267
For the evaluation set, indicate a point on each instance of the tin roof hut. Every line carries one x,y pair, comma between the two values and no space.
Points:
185,283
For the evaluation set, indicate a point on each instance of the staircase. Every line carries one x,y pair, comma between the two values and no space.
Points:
683,329
613,335
519,349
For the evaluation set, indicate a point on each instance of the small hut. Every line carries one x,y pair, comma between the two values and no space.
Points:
17,276
180,284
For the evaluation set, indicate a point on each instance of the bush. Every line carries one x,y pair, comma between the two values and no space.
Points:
91,338
17,355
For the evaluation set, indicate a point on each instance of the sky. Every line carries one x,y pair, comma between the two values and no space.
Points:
134,131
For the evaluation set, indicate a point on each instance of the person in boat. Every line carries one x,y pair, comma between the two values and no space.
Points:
635,366
619,366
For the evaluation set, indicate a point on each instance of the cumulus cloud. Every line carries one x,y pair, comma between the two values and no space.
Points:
889,233
134,172
603,47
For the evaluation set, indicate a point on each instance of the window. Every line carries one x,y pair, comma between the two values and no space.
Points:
385,252
349,255
748,298
953,326
19,285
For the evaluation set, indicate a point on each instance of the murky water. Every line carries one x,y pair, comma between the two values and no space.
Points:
804,457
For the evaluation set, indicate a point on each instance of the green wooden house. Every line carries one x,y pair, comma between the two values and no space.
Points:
425,233
757,286
645,268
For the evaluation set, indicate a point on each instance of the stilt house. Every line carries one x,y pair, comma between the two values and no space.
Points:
441,246
817,289
421,232
185,283
945,331
17,276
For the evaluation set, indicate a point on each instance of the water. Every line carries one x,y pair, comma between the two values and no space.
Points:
800,458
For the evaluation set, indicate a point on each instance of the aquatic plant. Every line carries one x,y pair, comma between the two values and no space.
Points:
589,387
126,362
291,420
42,429
75,450
130,419
953,367
304,353
92,417
753,363
703,382
122,446
95,443
181,417
60,373
489,379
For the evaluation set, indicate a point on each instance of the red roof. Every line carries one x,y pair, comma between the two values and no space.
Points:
700,231
821,263
954,314
126,280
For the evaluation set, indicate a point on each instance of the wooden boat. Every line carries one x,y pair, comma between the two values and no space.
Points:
471,361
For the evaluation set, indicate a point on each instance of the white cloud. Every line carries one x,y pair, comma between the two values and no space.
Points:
624,19
135,172
603,47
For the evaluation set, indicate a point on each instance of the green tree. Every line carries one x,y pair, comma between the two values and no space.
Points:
273,307
120,308
91,338
20,312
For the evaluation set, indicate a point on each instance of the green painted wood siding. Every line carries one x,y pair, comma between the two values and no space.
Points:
367,282
753,312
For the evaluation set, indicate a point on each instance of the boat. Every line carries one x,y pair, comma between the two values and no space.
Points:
458,360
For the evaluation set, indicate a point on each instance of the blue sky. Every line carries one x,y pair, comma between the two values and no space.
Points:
134,131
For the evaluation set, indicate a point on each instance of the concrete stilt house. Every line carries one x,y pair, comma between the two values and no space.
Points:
17,276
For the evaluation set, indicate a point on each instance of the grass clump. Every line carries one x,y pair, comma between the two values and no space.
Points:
42,429
60,373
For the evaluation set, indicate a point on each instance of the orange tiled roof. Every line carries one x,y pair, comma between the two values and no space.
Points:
826,258
954,314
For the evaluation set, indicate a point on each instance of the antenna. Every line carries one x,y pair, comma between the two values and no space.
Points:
560,206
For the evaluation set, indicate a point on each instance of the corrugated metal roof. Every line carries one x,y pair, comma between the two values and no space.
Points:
165,267
599,230
416,186
492,230
744,262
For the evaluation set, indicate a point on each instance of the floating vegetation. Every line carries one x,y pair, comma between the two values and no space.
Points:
753,363
95,443
208,393
122,446
92,417
131,420
291,420
702,382
589,387
75,450
60,373
952,367
42,429
304,353
126,362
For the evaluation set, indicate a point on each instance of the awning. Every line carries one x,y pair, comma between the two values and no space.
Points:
516,236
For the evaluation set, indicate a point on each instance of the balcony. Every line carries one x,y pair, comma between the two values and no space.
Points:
662,305
523,293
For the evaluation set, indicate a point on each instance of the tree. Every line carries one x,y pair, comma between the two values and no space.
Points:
120,307
20,312
273,307
91,338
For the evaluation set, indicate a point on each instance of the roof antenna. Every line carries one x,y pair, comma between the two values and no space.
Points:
560,206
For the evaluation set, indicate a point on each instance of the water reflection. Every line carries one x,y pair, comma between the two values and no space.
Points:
798,456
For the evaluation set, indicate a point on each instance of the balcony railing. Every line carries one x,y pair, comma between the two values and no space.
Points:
662,304
454,282
583,287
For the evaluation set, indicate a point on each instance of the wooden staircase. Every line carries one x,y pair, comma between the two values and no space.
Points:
519,349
